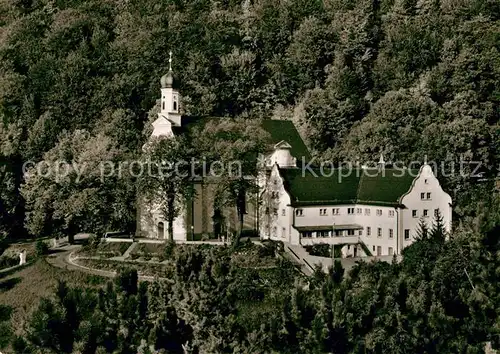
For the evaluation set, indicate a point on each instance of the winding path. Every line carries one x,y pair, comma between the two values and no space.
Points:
64,257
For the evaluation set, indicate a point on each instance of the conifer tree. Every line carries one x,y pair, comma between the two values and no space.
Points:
422,230
438,231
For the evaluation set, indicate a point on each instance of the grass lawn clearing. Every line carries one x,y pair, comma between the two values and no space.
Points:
21,290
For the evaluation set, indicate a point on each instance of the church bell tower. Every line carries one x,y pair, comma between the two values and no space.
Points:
170,97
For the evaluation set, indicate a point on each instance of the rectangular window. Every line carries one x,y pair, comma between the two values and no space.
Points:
323,233
407,234
391,251
422,196
359,210
335,211
275,231
379,232
350,232
283,212
426,212
391,213
368,231
436,212
428,196
367,211
391,233
275,211
267,210
322,212
379,212
298,212
283,232
373,248
360,233
379,250
338,233
414,213
307,234
350,211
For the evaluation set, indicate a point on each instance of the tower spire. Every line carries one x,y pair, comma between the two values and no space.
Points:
170,61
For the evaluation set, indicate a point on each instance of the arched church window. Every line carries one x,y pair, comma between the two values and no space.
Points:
161,230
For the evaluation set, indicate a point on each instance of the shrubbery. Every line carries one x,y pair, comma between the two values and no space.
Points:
8,261
41,248
319,250
169,249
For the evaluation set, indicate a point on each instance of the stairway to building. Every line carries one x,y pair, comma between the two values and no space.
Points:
365,248
298,254
129,250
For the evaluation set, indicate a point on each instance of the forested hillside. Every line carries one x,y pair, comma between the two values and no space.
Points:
443,297
404,77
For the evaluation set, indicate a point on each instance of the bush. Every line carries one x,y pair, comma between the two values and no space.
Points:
319,250
7,262
19,345
169,249
267,250
41,248
3,242
126,281
93,241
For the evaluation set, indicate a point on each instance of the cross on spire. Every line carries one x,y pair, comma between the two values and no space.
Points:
170,61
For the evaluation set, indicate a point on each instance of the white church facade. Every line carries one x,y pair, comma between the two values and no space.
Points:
366,211
198,217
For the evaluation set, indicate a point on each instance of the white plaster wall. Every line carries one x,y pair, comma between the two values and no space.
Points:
426,182
151,216
311,217
168,95
402,219
385,222
162,127
282,157
279,221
